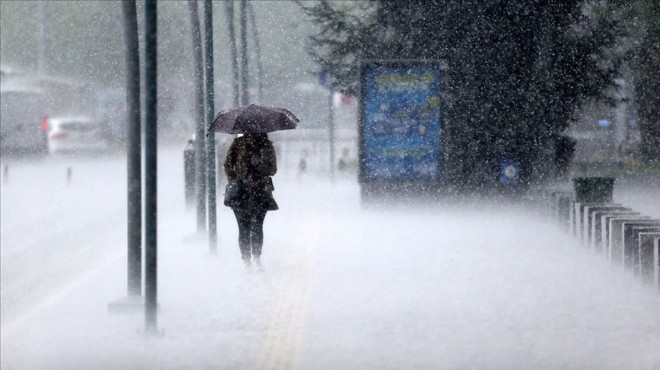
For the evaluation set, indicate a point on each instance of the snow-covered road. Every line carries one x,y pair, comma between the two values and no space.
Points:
455,285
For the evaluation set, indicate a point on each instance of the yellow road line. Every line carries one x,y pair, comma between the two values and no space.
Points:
281,346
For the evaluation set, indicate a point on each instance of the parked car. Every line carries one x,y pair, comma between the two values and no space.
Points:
22,130
75,134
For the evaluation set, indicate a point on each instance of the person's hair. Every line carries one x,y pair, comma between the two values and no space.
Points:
257,137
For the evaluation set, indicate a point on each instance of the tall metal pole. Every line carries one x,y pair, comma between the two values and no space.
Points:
233,51
133,149
210,113
200,147
151,161
244,56
257,49
41,55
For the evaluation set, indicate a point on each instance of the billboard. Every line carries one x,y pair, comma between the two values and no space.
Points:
401,120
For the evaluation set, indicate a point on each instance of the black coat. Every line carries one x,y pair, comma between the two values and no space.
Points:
253,162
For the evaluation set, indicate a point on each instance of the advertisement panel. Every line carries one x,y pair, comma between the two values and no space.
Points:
401,121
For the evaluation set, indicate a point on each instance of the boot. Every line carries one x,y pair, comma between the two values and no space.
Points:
248,264
257,263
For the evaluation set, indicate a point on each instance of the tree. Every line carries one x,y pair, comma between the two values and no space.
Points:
517,70
646,59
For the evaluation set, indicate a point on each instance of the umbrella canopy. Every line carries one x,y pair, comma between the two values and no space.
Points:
254,118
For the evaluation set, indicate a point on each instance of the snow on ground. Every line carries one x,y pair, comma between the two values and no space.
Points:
476,286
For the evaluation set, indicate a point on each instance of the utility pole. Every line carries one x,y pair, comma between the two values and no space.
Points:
257,49
41,54
151,165
133,299
210,113
133,149
200,150
245,98
233,51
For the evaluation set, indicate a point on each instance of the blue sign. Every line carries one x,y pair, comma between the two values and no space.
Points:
401,121
324,79
604,123
509,171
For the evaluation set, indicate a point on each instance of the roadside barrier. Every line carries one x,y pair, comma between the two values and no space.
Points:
624,237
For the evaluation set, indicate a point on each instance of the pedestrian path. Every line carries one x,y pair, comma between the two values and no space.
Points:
283,339
435,287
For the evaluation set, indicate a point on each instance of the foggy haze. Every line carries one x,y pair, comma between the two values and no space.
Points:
457,284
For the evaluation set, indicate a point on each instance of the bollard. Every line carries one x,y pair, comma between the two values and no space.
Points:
630,236
588,222
605,228
5,174
594,241
582,220
645,244
559,205
69,175
571,216
616,237
564,210
554,206
189,172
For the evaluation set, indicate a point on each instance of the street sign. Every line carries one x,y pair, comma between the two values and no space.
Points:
509,171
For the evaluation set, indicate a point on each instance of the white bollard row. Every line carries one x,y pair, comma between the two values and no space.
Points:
623,236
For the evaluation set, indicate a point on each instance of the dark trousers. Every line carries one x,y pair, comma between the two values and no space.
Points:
250,231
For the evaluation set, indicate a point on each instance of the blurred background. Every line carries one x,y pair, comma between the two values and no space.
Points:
66,58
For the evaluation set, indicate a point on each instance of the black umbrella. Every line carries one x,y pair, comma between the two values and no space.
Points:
254,118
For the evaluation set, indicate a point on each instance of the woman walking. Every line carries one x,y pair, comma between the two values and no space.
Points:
251,161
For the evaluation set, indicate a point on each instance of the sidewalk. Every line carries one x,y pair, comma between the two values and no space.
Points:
346,288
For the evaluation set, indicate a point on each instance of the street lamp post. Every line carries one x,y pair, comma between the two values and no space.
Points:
210,108
133,299
257,49
200,151
133,149
233,52
244,57
151,162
